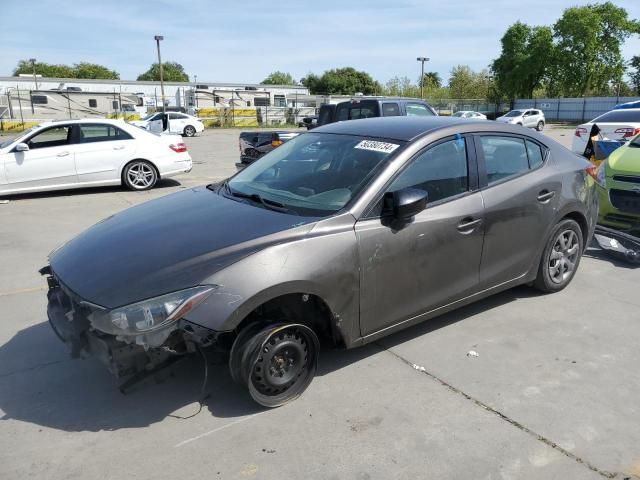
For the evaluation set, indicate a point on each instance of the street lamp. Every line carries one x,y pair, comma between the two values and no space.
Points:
33,66
195,90
157,38
422,60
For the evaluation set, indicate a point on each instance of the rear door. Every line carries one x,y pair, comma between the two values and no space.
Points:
520,199
48,162
101,151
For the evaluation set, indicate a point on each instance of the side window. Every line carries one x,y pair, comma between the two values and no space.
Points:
342,112
390,110
535,154
98,132
418,109
93,103
441,171
51,137
174,116
504,157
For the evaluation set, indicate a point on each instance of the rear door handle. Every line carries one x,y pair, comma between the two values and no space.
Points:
63,154
468,225
119,147
545,195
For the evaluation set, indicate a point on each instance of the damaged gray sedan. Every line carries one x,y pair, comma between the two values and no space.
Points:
341,236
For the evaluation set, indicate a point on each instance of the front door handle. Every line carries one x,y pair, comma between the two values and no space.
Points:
545,195
468,225
119,147
63,154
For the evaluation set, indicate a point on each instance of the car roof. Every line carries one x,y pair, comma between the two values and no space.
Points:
396,128
83,120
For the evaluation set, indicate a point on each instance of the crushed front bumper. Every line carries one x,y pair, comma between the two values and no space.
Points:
70,318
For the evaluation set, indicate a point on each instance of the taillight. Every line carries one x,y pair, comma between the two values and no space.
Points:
276,143
593,171
580,131
178,147
628,132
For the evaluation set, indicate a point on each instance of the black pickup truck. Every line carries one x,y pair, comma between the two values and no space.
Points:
254,145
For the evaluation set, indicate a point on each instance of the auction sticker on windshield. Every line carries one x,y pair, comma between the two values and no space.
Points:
383,147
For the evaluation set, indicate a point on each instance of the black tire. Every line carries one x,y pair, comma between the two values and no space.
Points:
554,274
540,126
139,175
275,362
189,131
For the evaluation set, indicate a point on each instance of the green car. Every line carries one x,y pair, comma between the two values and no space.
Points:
619,192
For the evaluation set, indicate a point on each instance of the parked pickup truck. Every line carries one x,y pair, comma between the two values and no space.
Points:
254,145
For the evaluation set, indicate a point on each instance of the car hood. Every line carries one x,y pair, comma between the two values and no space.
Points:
624,160
168,244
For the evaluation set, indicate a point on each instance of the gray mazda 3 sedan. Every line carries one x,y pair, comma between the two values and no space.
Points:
344,234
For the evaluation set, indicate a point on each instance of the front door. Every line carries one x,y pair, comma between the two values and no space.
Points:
101,151
156,124
434,260
48,162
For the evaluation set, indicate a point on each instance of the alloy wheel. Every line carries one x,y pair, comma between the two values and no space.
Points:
141,175
563,256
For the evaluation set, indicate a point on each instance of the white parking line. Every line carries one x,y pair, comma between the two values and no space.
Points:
216,430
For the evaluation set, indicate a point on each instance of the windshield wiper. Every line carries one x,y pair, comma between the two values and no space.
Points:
266,203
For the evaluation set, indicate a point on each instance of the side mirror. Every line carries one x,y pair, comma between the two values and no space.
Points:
22,147
408,202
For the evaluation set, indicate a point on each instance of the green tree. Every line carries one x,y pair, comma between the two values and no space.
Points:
279,78
45,69
634,74
92,70
465,83
171,72
431,81
400,87
588,41
78,70
345,81
524,61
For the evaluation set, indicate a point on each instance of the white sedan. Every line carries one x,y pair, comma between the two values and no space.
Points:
623,124
174,122
85,153
470,114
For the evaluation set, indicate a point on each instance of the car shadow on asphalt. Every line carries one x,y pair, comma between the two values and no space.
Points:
163,183
41,384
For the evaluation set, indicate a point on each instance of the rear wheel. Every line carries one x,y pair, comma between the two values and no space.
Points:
189,131
560,258
139,175
540,126
275,362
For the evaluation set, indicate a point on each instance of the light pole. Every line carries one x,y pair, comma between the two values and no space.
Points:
422,60
195,90
157,38
33,66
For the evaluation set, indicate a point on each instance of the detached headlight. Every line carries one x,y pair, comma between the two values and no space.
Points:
149,315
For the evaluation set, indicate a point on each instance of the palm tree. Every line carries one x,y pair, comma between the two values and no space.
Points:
432,80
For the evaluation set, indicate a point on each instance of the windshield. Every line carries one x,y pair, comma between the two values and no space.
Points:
10,140
459,114
315,174
148,117
514,113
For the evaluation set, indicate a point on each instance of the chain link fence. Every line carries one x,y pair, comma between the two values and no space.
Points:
574,110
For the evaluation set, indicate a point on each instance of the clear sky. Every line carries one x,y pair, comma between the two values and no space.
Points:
244,41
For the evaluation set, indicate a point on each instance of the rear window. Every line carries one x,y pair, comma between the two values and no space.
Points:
619,116
363,110
390,110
